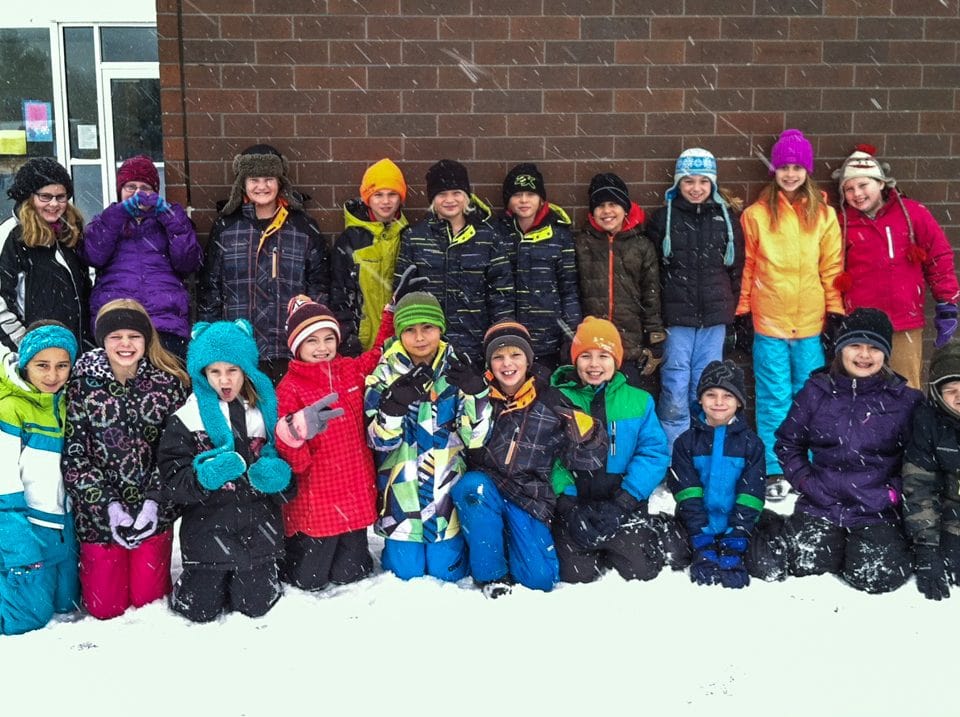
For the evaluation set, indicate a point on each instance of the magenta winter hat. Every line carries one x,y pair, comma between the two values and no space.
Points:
792,148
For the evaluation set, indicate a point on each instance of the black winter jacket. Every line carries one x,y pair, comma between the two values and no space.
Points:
42,283
470,274
545,271
696,289
234,528
931,475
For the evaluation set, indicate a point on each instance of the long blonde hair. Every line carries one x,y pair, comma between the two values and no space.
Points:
35,230
808,196
155,353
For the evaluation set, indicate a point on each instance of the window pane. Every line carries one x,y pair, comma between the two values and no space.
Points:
128,44
85,142
136,118
87,190
28,51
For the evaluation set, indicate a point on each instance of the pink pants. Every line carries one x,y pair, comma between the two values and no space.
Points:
113,578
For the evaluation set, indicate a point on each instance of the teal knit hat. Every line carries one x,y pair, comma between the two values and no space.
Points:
233,342
418,307
44,337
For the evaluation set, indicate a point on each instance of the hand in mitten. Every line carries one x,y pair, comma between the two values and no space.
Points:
578,426
705,567
162,205
652,354
831,329
945,321
591,524
405,391
131,205
932,578
214,473
296,428
733,573
409,281
464,375
743,325
148,201
119,519
144,526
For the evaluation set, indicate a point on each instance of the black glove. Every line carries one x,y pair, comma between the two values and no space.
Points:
463,374
409,281
743,331
406,390
591,524
831,329
931,573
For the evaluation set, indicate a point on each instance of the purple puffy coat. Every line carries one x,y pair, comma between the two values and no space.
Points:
146,259
841,446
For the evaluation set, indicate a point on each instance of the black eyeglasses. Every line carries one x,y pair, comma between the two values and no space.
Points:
46,198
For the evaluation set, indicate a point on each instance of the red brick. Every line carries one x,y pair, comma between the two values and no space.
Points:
648,100
422,52
944,8
752,76
403,125
864,53
601,125
325,77
579,100
436,101
928,99
218,51
597,52
749,123
566,27
754,28
721,52
233,101
650,52
647,147
614,76
248,27
707,100
940,123
485,8
883,122
435,7
376,52
402,78
542,77
403,28
329,27
294,100
686,76
266,77
940,76
858,8
364,7
893,28
823,28
434,148
258,125
921,146
578,147
543,125
282,7
814,123
366,150
934,53
718,7
312,147
367,101
856,100
199,26
645,7
787,53
820,76
528,148
886,76
474,125
680,123
615,28
199,76
474,28
470,76
788,7
204,124
292,52
509,53
941,28
701,28
317,124
579,7
508,101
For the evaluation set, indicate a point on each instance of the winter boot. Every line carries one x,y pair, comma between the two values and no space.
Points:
673,540
777,488
494,589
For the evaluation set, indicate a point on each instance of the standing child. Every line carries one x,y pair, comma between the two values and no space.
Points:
894,250
144,247
841,448
220,467
118,400
619,276
426,406
506,502
601,516
464,256
793,258
544,262
41,276
717,478
38,545
365,256
931,479
701,259
263,249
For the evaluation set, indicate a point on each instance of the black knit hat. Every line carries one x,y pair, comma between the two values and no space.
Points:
37,173
723,374
866,326
446,175
523,178
507,333
608,188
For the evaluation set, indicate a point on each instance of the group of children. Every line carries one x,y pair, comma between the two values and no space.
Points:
513,451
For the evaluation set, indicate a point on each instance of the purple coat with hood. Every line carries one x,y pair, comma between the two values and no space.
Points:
841,446
145,258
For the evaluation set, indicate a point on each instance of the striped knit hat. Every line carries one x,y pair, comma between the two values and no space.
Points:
418,307
306,317
507,333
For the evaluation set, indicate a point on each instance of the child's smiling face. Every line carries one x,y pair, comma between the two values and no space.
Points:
790,177
595,367
319,346
695,189
49,369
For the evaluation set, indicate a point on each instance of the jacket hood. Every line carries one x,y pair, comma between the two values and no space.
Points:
13,384
357,214
634,219
548,214
944,368
566,377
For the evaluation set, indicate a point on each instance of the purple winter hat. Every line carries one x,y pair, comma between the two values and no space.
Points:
791,148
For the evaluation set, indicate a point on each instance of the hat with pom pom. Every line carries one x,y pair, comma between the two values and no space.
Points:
791,148
863,163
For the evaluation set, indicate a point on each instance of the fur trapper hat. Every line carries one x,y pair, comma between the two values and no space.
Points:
260,160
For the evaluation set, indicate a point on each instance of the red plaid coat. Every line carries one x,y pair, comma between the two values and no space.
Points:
336,488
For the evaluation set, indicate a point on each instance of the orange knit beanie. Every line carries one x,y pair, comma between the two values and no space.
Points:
600,334
384,175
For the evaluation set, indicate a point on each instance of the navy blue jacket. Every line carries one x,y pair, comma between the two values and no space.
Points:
717,478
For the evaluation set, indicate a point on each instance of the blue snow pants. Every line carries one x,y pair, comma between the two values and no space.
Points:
446,560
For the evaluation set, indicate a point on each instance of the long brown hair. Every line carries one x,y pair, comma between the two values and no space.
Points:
155,353
809,197
35,230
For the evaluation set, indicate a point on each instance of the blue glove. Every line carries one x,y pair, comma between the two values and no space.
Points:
945,322
162,205
733,574
705,568
131,206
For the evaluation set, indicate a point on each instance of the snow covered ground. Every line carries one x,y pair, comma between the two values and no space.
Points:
808,646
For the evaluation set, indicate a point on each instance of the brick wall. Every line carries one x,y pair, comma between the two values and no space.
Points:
578,86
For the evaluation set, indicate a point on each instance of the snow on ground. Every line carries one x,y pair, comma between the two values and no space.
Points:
802,647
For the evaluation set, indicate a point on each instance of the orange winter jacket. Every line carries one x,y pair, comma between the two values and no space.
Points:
789,273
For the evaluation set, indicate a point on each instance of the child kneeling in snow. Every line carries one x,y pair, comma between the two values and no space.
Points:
509,497
601,516
219,465
717,478
38,544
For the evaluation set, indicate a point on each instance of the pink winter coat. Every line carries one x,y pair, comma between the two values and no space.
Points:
885,273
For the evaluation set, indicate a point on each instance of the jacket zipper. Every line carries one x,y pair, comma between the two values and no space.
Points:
889,242
610,276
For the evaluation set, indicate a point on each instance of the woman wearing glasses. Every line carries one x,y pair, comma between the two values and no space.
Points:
144,247
41,276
